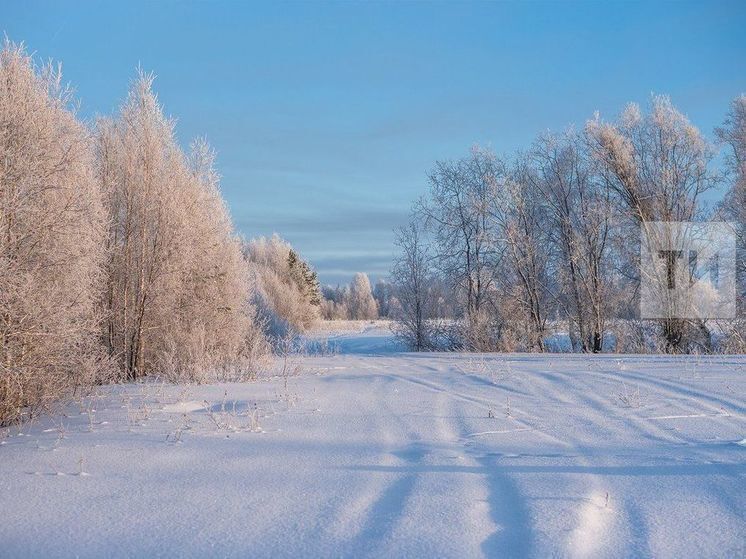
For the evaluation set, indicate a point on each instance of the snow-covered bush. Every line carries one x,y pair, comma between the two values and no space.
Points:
732,337
331,310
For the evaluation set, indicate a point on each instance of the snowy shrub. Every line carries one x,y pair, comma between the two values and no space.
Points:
331,310
733,336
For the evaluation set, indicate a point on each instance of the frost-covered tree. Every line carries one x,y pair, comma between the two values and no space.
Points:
579,215
333,302
733,135
556,232
458,213
733,208
657,166
177,287
305,277
360,303
286,288
657,163
215,327
519,215
51,239
141,170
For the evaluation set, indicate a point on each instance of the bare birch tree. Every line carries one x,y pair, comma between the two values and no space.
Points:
578,206
458,213
519,218
140,167
733,134
412,278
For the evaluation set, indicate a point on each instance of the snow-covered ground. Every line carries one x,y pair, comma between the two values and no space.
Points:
377,453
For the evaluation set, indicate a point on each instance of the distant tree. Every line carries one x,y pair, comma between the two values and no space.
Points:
733,208
333,293
733,135
305,277
360,302
333,305
382,293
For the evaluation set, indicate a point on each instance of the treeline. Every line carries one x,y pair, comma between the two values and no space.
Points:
549,239
118,257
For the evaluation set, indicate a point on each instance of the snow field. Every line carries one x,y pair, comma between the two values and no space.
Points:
376,453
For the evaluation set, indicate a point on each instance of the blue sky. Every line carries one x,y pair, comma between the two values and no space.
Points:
326,116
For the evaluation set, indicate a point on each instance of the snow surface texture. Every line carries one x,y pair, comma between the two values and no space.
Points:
377,453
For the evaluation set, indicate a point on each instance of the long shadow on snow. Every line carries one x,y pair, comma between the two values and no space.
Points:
621,470
385,512
507,511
